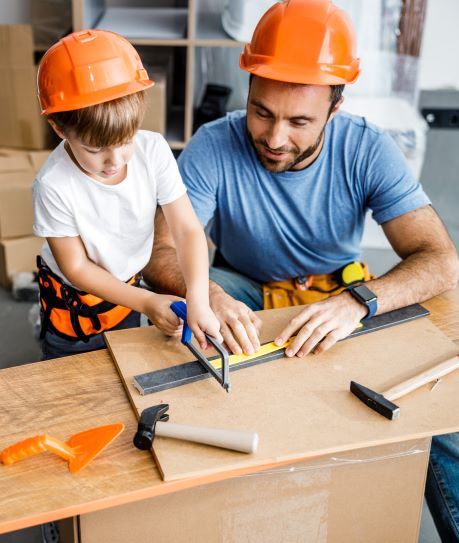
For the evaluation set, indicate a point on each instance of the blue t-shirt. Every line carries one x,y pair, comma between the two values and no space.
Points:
274,226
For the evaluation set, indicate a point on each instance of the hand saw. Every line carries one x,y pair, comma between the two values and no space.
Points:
222,376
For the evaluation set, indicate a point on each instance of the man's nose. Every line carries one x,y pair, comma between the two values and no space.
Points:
277,136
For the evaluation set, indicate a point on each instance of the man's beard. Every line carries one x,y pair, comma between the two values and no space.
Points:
274,165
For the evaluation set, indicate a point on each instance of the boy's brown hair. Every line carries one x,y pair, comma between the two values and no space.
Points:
104,125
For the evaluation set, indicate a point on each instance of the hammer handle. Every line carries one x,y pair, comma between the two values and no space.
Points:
423,378
227,439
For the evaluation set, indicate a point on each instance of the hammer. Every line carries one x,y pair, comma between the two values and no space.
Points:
153,422
382,403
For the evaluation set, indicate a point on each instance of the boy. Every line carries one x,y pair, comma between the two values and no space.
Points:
95,201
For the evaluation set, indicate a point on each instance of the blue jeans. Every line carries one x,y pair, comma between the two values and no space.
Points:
53,346
239,287
442,486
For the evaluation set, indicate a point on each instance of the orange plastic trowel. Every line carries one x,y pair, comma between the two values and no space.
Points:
79,450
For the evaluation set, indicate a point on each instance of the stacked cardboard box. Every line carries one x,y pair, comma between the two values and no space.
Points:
24,133
18,246
155,115
22,125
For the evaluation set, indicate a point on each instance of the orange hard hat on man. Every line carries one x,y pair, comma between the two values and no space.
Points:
303,41
87,68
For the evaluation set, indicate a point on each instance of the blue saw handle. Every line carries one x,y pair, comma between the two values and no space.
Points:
179,308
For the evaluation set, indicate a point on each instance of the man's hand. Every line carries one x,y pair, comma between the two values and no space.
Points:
320,325
239,324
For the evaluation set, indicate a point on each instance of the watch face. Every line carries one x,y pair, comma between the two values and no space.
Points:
364,293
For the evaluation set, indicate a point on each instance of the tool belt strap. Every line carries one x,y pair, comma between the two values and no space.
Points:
73,314
313,288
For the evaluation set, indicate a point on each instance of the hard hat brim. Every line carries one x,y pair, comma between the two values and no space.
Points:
321,74
97,97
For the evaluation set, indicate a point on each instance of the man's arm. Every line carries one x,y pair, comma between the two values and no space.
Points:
429,267
163,272
239,325
429,263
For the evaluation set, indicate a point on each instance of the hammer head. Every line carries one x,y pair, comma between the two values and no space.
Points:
376,401
143,439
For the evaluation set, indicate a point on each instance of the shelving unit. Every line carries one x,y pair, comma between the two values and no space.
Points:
182,25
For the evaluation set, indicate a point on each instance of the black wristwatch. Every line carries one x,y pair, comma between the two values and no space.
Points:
364,295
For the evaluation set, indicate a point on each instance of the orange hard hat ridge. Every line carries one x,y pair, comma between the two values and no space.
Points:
303,41
87,68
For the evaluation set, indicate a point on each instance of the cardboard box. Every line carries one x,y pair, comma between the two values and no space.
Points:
15,160
18,255
372,494
16,213
22,124
17,172
156,98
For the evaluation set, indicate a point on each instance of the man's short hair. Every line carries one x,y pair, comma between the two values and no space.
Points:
104,125
335,95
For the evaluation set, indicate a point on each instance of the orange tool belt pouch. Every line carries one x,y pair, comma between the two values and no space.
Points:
73,314
313,288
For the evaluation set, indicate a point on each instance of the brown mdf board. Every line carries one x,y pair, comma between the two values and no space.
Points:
300,407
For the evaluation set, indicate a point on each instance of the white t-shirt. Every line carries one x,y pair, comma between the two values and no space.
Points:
115,222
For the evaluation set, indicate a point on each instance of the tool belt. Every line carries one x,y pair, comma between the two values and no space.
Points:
313,288
73,314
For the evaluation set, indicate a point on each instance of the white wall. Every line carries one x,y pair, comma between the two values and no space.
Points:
439,66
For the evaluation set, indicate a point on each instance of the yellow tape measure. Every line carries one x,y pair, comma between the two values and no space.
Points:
265,349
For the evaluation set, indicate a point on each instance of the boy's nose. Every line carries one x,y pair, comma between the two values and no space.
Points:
114,158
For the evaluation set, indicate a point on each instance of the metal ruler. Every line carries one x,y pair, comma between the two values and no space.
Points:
189,372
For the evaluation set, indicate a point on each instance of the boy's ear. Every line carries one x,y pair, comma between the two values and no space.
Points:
56,129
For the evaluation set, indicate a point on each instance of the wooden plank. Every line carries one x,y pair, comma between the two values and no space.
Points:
301,408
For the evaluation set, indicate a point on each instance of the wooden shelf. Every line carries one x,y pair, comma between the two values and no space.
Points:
175,128
146,24
187,27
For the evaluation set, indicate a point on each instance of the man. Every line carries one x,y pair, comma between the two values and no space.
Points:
285,187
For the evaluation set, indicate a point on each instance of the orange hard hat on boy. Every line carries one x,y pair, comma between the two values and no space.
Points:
303,41
87,68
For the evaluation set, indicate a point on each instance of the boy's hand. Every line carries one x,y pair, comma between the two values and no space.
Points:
202,320
159,311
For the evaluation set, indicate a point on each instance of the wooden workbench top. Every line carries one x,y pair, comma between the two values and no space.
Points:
65,396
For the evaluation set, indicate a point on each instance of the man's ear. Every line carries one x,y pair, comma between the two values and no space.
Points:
56,129
335,110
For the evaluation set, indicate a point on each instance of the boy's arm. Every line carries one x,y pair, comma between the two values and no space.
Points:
193,260
190,241
71,257
162,273
239,325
